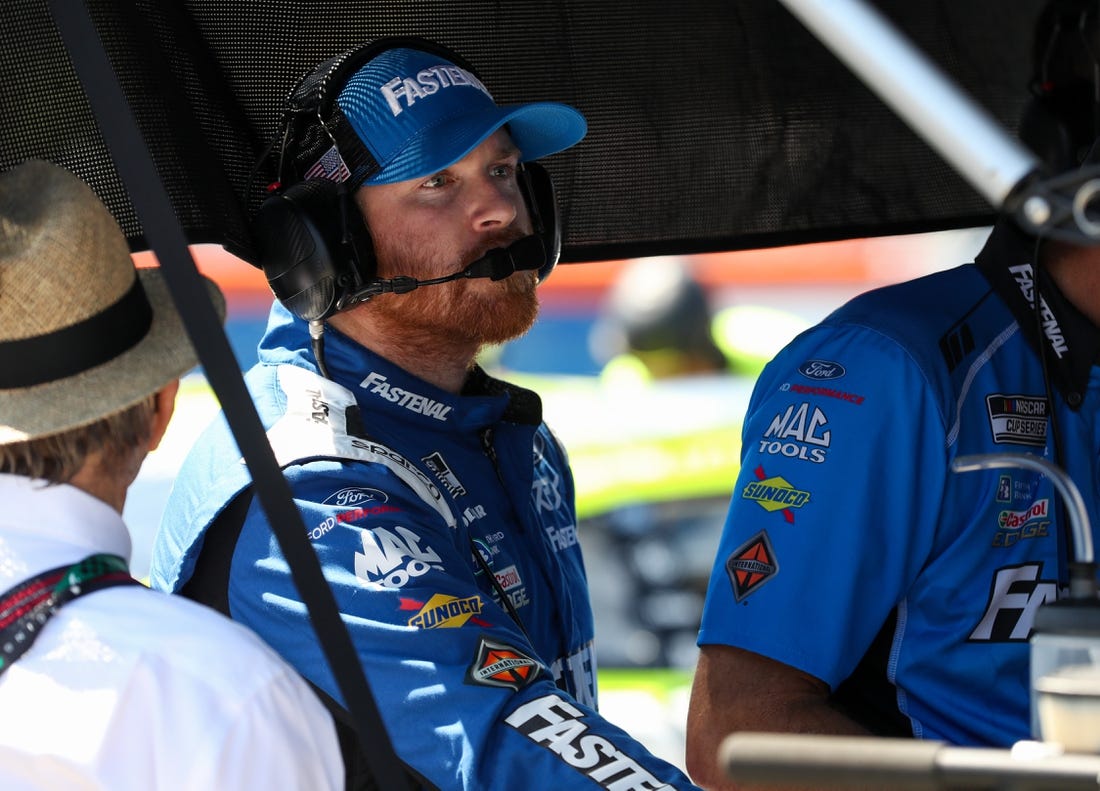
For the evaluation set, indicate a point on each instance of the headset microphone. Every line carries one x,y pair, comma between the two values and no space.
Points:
523,254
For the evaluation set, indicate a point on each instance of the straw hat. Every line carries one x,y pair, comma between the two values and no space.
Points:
81,337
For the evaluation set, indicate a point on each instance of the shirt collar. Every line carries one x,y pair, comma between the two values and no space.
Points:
1070,342
483,401
43,526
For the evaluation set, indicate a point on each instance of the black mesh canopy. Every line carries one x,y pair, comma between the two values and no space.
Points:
713,125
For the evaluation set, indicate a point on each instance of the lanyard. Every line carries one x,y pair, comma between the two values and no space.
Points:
25,608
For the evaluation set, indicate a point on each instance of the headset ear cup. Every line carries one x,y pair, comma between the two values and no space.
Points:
298,240
542,204
1042,130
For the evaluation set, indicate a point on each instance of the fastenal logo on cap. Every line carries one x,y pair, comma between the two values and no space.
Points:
418,113
402,92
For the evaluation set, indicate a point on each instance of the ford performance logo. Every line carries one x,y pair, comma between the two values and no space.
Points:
821,369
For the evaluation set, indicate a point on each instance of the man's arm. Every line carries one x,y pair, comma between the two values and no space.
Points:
738,690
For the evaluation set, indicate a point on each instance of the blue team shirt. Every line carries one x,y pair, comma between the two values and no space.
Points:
399,485
847,514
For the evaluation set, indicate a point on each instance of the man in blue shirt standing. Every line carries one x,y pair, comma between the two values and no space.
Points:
411,228
863,586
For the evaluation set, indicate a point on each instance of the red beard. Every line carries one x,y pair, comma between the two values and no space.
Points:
476,310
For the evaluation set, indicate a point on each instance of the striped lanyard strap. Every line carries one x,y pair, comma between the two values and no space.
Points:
25,608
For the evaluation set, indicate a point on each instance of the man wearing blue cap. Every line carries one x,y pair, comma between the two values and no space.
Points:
411,228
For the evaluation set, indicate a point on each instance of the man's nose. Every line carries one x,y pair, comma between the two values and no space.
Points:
493,203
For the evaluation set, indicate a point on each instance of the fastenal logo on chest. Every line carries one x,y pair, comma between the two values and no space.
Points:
379,385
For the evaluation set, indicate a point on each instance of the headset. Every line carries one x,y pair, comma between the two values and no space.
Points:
312,244
1061,122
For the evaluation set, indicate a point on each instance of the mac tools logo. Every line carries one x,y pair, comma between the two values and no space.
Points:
390,558
798,433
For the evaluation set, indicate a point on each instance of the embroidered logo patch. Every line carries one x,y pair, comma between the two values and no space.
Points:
775,494
500,665
444,612
439,467
1018,419
751,565
821,369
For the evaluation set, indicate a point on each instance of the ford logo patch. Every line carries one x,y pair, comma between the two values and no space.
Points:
821,369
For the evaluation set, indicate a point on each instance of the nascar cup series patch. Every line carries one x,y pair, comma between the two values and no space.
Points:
1018,419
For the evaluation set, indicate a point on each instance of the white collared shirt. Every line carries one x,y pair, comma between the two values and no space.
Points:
128,688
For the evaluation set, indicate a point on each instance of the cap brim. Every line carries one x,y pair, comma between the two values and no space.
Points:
164,354
538,130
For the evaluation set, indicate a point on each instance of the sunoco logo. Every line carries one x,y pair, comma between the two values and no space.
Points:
775,494
444,612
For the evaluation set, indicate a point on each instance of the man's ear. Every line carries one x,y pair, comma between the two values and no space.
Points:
164,406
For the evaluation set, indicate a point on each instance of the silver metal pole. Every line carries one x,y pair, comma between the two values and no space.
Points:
960,130
811,761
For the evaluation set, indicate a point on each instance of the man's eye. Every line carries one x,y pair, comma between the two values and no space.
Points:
503,171
433,182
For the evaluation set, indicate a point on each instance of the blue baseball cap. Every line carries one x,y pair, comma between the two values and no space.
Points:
418,113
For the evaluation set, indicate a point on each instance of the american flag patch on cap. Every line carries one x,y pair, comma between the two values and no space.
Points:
330,166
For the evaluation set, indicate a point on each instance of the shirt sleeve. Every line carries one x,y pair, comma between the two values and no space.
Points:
835,508
466,698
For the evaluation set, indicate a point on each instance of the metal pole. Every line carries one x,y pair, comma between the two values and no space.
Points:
960,131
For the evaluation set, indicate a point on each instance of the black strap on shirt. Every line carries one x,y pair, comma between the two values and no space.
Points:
138,173
25,608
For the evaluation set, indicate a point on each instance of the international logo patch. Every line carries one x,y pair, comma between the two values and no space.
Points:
751,565
500,665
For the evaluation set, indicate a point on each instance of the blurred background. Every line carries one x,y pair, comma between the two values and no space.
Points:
645,368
